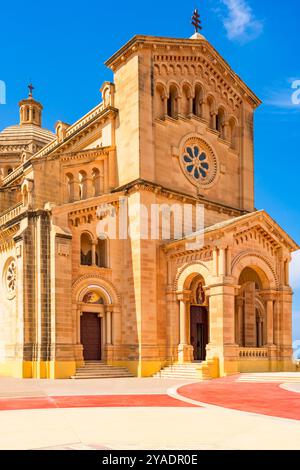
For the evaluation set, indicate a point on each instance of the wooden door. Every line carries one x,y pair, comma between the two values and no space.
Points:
199,331
90,336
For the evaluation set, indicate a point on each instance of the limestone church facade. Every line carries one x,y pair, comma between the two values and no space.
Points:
174,129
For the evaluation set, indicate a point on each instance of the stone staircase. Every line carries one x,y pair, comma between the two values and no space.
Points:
100,370
188,371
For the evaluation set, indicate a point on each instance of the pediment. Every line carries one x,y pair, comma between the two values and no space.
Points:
256,227
188,54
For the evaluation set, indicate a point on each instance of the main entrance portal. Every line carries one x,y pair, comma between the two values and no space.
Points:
90,336
199,331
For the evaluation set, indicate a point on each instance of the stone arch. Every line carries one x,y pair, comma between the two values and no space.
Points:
173,97
186,93
86,282
160,97
186,273
221,120
260,264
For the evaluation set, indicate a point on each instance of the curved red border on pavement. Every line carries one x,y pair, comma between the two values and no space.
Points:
90,401
262,398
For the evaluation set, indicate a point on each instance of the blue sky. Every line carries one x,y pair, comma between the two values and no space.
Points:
61,47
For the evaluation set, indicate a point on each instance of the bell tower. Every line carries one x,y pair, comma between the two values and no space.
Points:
30,110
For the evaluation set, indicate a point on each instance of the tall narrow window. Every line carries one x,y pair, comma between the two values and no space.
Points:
172,107
82,185
211,113
96,181
86,249
197,101
70,187
160,98
220,124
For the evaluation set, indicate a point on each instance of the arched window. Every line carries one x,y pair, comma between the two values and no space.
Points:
70,187
33,114
96,181
250,313
82,185
101,253
185,101
220,123
160,97
211,112
197,101
27,114
172,104
86,249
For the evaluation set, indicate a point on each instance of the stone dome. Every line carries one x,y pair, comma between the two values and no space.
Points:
28,136
23,134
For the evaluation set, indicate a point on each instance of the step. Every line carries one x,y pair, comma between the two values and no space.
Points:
100,370
74,377
177,376
82,374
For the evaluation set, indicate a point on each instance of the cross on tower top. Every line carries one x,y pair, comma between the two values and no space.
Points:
196,22
31,88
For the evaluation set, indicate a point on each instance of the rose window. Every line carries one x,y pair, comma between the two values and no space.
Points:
11,277
199,162
196,162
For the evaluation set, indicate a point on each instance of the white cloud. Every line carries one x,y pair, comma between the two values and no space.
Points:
240,22
295,270
284,97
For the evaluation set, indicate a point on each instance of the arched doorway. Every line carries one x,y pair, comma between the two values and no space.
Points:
251,309
199,332
90,336
91,328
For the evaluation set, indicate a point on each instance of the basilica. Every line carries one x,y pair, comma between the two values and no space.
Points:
174,129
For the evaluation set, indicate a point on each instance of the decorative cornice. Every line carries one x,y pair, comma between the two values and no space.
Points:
161,46
144,185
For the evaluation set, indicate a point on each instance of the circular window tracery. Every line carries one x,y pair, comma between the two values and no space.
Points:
199,162
10,278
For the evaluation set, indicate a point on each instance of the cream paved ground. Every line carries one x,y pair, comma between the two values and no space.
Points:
10,387
146,428
208,427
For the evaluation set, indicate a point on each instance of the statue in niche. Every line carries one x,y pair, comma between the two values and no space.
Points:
200,294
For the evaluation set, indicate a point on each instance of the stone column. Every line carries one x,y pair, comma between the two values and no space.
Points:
215,262
270,322
190,105
185,351
94,244
165,105
222,346
109,339
250,316
259,333
240,338
222,262
108,328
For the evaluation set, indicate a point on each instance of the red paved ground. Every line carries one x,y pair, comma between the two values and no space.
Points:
263,398
90,402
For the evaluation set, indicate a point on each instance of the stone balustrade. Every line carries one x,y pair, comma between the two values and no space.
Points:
253,352
10,214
